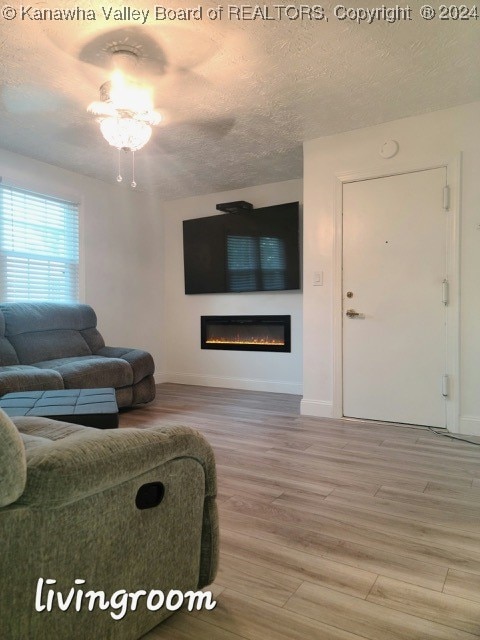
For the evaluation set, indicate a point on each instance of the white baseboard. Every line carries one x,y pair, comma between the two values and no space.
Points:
160,377
248,384
469,425
316,408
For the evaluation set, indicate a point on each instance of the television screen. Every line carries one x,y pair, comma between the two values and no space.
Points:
254,250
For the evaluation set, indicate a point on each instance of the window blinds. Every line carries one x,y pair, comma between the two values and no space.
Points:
38,247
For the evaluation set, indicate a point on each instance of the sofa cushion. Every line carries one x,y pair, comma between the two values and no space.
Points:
141,362
93,338
144,390
44,429
7,352
27,317
47,330
124,396
32,443
21,377
89,372
13,464
48,345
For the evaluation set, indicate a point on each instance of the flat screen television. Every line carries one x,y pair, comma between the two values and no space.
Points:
254,250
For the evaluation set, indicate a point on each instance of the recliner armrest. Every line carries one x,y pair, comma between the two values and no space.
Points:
92,461
141,361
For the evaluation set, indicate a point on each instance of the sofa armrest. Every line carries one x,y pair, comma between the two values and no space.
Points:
141,361
92,461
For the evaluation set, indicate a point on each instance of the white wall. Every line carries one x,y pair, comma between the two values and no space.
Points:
434,136
186,362
121,252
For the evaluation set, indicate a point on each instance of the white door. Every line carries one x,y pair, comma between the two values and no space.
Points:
394,264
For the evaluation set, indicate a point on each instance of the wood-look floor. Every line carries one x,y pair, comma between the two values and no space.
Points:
330,529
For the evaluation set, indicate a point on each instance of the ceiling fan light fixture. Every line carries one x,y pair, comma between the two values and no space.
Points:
128,106
125,112
127,134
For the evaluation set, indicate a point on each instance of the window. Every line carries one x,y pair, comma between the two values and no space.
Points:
255,263
38,247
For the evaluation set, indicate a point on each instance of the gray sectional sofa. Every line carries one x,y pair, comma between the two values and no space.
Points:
58,346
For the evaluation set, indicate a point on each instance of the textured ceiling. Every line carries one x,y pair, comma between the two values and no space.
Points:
238,97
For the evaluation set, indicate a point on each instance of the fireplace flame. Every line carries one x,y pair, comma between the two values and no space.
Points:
246,341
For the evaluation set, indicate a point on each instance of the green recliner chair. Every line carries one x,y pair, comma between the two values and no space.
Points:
86,511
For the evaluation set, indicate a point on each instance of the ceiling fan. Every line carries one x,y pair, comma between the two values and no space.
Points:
125,110
127,66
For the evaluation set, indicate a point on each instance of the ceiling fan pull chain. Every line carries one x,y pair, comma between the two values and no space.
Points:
133,183
119,177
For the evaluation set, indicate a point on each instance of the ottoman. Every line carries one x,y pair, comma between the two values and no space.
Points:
89,407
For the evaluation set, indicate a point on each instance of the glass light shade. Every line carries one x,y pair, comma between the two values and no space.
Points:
125,133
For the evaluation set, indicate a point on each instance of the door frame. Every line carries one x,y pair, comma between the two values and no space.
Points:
453,168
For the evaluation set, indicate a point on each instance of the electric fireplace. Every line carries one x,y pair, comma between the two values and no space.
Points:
246,333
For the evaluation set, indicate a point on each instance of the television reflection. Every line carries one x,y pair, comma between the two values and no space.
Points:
255,263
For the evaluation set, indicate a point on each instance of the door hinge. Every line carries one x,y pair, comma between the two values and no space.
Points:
445,291
445,385
446,197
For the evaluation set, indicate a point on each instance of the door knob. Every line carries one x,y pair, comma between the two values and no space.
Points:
351,313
